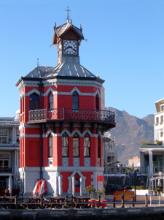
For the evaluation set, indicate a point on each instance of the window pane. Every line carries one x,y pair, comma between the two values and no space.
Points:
50,146
4,132
75,147
50,101
86,146
75,101
99,147
97,103
6,163
34,101
65,146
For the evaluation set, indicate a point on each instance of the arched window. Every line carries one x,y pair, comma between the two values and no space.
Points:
77,180
97,103
76,145
50,101
34,101
99,147
87,146
75,101
50,145
65,145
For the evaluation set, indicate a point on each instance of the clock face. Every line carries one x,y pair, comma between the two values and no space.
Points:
70,47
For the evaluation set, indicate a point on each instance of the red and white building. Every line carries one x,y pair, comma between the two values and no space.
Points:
62,121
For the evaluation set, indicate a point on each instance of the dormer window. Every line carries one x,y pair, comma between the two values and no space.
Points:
75,101
50,101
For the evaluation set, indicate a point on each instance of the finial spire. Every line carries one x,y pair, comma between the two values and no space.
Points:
37,62
68,13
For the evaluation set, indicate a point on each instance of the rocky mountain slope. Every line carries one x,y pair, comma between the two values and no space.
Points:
130,132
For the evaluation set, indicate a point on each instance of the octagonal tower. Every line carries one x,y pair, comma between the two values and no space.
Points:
62,121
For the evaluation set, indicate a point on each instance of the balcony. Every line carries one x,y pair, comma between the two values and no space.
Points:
43,115
5,170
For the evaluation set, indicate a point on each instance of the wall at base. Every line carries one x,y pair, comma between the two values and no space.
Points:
81,214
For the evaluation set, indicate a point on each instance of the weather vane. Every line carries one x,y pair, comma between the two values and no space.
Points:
37,62
68,13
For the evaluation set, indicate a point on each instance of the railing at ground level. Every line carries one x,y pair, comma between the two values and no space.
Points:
106,116
13,202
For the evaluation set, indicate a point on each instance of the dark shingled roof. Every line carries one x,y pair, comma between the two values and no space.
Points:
64,70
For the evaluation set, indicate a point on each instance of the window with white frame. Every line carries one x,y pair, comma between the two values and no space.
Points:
4,163
34,101
4,136
161,119
76,145
161,133
87,146
50,146
65,145
156,121
50,101
162,107
75,101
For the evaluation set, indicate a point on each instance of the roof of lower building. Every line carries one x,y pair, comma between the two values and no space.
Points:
149,145
64,70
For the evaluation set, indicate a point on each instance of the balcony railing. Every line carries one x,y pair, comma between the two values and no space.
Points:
41,115
5,169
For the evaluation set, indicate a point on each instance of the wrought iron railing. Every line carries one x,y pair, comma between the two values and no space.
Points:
67,114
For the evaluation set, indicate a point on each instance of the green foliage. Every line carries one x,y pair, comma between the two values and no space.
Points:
90,189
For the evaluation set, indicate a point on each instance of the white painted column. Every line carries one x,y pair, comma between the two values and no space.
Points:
59,185
142,162
56,186
81,186
150,163
24,182
10,184
73,185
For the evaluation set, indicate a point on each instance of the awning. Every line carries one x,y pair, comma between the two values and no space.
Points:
40,187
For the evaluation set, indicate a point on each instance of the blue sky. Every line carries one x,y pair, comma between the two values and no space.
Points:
124,45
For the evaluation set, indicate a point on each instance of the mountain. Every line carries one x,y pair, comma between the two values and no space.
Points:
130,132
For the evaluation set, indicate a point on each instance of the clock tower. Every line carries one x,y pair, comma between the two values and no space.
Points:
67,38
62,121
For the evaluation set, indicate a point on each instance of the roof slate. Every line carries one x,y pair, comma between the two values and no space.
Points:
60,30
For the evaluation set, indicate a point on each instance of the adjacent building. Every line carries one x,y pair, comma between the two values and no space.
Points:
9,153
62,121
110,156
159,122
152,154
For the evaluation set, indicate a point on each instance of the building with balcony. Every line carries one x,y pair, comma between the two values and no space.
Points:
159,122
62,121
9,153
152,155
110,155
